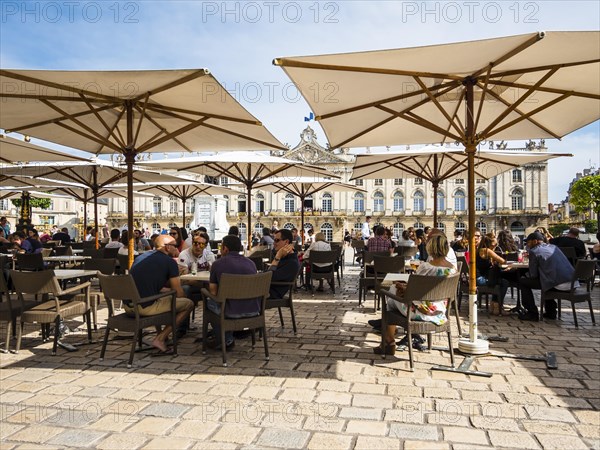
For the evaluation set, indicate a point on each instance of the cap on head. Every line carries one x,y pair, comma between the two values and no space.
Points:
535,236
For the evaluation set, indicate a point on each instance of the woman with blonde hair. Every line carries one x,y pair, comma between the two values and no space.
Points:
426,311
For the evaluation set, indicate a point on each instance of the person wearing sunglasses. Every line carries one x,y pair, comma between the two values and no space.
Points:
198,253
285,263
153,272
175,233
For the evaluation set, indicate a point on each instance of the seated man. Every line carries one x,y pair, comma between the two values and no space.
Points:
571,240
20,243
230,262
62,236
115,239
549,268
141,244
196,257
319,245
285,264
379,243
152,272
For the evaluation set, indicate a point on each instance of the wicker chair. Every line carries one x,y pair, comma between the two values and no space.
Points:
584,271
570,254
11,310
421,288
287,301
382,266
238,288
92,252
358,245
367,277
61,251
323,257
123,288
257,258
66,303
406,252
110,252
106,267
30,261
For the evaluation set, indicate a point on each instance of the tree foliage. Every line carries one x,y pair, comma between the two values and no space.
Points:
557,229
591,226
43,203
585,194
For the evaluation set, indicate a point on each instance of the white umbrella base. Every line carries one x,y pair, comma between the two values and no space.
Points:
476,347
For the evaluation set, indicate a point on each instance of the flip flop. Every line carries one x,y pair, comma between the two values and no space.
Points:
168,352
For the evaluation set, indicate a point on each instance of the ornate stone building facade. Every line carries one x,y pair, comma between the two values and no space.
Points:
516,200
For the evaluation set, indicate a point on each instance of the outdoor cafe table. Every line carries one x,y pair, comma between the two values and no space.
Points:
516,265
66,259
69,274
202,276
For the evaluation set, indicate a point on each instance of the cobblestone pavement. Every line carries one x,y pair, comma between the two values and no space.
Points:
322,388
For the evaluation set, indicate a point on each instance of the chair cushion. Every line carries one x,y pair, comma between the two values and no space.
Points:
46,312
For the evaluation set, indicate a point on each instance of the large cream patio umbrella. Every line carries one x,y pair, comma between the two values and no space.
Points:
303,187
436,164
15,151
183,191
246,168
538,85
94,175
129,112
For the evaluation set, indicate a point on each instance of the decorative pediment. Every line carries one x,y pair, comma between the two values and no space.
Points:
309,151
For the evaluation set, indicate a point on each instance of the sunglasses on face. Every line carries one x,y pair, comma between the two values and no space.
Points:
277,240
200,244
174,233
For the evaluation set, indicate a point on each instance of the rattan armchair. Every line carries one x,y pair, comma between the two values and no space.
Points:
421,288
123,288
326,272
65,303
287,301
237,288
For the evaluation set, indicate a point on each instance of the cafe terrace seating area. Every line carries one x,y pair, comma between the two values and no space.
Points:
322,386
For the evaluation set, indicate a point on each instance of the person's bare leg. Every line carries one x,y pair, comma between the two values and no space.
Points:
390,335
159,340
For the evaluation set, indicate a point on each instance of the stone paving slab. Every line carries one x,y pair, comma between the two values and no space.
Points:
321,388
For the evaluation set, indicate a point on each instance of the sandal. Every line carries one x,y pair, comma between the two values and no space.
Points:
389,349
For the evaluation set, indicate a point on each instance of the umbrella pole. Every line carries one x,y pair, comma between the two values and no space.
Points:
249,212
302,218
435,204
95,192
183,199
85,202
473,345
129,160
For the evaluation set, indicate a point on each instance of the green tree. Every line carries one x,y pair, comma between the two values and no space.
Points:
585,194
557,229
591,226
43,203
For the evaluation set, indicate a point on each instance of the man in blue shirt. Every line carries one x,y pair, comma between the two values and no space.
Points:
5,226
549,269
153,272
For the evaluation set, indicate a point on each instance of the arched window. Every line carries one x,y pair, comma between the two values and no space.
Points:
260,203
327,202
157,205
241,201
482,227
357,226
308,226
327,230
441,226
172,224
289,203
378,202
480,200
398,201
460,200
516,199
156,228
243,228
517,228
418,226
460,226
441,201
398,230
173,205
308,203
289,226
359,202
258,227
418,201
517,176
190,206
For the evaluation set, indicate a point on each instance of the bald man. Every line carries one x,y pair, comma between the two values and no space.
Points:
157,271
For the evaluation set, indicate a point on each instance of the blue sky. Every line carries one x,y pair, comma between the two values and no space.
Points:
237,41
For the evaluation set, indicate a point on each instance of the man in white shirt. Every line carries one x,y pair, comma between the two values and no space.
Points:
196,254
366,229
115,235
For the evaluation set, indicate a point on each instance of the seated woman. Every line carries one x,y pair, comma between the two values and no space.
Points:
405,240
320,244
488,271
506,242
437,248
